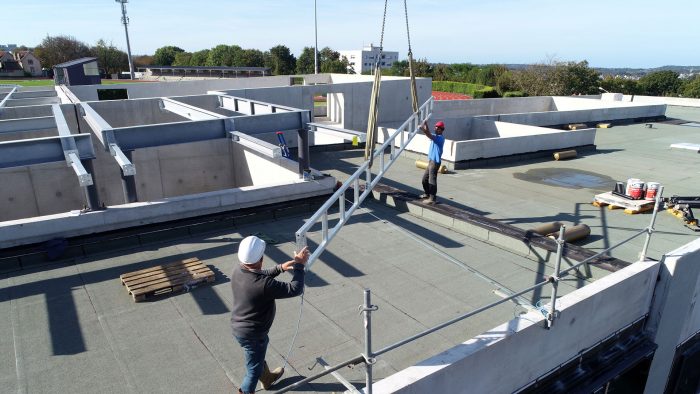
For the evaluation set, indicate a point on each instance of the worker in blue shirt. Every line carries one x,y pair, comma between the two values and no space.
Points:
434,160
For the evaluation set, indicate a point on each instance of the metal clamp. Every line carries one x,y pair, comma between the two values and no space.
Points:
370,360
372,308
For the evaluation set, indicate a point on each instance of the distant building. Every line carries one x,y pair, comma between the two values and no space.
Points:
28,62
7,48
9,67
363,60
83,71
204,72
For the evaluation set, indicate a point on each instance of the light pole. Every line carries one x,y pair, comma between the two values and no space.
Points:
125,21
602,90
316,44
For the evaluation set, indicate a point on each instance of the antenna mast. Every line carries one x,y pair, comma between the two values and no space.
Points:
125,21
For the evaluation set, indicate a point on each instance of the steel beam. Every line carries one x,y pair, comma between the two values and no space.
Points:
70,149
337,132
187,111
131,138
84,178
127,167
257,145
233,103
42,150
100,126
268,123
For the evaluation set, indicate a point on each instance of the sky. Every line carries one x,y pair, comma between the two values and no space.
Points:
606,33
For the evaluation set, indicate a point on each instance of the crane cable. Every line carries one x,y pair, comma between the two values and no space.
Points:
374,98
414,93
371,129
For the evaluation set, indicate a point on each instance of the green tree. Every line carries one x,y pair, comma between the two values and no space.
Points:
422,68
182,59
143,60
691,88
281,61
223,55
660,83
576,78
506,83
557,79
305,62
619,85
330,62
199,58
165,56
109,58
442,72
249,58
60,49
398,68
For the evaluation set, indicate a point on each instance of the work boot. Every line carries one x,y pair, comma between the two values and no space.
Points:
431,200
268,378
423,196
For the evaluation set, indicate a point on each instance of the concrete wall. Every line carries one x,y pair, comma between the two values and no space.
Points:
394,103
584,115
516,353
498,139
515,139
25,112
32,101
33,230
208,102
461,108
22,94
182,88
140,112
253,169
675,314
679,101
37,190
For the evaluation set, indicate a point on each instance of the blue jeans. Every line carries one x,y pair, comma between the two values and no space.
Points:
254,350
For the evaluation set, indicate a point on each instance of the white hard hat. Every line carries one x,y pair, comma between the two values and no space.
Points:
251,250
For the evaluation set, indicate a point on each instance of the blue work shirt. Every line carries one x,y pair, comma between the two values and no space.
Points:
435,151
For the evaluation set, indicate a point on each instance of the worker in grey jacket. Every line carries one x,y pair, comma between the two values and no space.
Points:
254,293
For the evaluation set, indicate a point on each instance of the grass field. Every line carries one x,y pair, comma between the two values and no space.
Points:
27,82
49,82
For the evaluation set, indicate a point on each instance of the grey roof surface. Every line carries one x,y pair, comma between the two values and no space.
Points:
71,327
76,61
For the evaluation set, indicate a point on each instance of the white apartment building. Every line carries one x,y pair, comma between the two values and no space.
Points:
363,60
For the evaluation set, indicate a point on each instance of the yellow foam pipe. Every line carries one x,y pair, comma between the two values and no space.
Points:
422,164
565,154
573,233
547,228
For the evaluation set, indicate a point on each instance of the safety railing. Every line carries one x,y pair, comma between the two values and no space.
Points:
396,143
369,356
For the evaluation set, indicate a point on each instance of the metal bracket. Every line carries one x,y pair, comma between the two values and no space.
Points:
256,144
84,178
372,308
128,168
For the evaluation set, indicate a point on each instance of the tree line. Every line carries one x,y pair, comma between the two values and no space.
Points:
279,59
553,78
544,78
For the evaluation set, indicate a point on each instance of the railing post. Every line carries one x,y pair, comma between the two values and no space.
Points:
549,321
650,229
367,309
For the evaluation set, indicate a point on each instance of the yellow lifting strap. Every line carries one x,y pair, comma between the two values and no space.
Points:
374,98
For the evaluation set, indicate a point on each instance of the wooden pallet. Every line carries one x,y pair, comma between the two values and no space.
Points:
167,278
631,207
